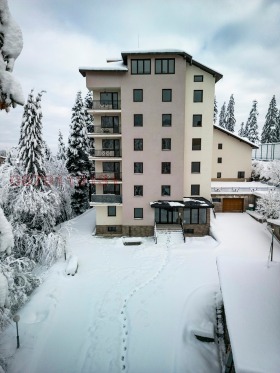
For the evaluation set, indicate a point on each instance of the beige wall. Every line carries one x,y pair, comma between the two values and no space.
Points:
236,156
205,132
152,132
102,217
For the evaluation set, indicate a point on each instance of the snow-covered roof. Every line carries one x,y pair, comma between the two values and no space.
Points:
239,187
140,52
243,139
195,202
252,306
110,66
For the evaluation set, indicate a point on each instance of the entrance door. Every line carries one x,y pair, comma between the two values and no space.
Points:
166,216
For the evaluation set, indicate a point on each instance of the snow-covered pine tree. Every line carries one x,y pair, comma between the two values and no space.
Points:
229,116
78,163
241,130
31,143
269,131
222,115
215,117
61,154
251,128
46,151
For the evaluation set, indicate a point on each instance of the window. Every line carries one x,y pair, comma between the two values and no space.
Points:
195,216
109,100
196,144
112,211
198,95
138,95
138,144
165,66
138,120
220,159
195,189
241,174
219,175
138,213
141,66
195,167
138,167
220,146
166,95
216,200
165,167
198,78
112,229
197,120
166,120
138,190
111,189
165,190
165,144
109,122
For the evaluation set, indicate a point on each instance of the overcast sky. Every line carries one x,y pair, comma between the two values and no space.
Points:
237,38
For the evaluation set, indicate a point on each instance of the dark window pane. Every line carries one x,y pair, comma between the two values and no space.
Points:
164,66
138,167
187,216
112,211
165,190
219,175
166,144
220,160
166,120
138,95
195,189
134,66
165,167
138,213
138,190
194,216
197,120
158,66
195,167
202,216
197,96
196,144
147,66
167,95
241,174
138,120
198,78
171,66
138,144
220,146
140,66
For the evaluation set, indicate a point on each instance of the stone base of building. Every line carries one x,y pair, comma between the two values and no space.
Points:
196,230
125,230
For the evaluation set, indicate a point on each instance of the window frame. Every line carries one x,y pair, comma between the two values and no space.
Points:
135,121
219,160
195,216
193,164
168,165
140,148
140,190
111,213
165,90
162,120
195,97
198,78
134,166
195,189
195,122
138,61
166,143
135,91
170,69
220,146
196,147
163,194
238,174
138,209
219,175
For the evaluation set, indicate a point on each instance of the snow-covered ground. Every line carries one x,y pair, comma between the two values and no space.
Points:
130,308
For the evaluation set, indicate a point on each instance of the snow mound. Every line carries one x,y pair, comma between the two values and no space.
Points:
72,265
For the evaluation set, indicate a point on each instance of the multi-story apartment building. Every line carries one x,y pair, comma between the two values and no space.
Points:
153,133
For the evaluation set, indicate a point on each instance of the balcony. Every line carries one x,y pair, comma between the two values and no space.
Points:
106,198
92,129
106,105
105,153
106,176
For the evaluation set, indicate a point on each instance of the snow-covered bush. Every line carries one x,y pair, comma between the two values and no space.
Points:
269,205
6,234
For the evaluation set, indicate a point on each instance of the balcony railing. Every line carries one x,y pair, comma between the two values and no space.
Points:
106,176
106,198
99,129
105,152
106,105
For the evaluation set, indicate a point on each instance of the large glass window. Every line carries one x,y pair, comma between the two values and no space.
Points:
141,66
138,95
109,100
195,216
165,66
111,189
166,120
138,167
166,95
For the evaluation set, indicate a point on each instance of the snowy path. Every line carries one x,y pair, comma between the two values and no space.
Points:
129,308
